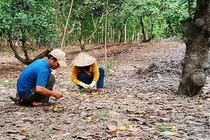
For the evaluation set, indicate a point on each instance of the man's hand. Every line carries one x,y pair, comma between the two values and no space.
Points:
83,85
58,95
92,84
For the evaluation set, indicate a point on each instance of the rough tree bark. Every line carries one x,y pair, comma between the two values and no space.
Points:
195,63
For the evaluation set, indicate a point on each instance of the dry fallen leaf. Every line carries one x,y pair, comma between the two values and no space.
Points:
112,127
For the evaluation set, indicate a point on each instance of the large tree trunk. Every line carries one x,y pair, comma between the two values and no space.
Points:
195,63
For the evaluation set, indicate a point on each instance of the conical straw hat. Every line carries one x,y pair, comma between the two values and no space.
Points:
83,59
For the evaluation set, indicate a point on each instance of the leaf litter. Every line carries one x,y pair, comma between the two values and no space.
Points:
140,87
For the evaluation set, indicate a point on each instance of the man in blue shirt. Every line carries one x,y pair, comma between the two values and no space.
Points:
35,84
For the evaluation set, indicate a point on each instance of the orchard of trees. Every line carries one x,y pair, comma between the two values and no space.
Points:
63,22
31,24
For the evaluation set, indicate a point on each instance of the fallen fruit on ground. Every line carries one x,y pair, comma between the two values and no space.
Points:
89,118
200,107
173,128
130,126
122,128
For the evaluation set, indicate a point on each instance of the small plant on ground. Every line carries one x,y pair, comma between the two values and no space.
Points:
80,90
103,114
161,127
8,84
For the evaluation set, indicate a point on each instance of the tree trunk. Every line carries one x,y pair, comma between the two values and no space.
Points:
142,28
121,38
195,63
81,41
67,21
102,34
25,60
151,28
122,32
110,34
105,39
125,40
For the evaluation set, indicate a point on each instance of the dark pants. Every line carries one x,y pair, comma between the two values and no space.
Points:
85,79
35,96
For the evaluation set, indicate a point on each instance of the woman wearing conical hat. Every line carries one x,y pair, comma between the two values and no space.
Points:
86,73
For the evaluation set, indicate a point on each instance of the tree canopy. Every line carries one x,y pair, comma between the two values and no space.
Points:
42,23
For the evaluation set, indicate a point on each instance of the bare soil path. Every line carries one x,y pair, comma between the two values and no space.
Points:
139,101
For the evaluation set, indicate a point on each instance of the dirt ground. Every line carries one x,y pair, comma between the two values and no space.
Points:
139,101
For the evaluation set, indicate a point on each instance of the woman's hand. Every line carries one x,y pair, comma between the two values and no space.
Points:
83,85
92,84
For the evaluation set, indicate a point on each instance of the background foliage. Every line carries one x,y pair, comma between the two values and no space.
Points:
42,22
